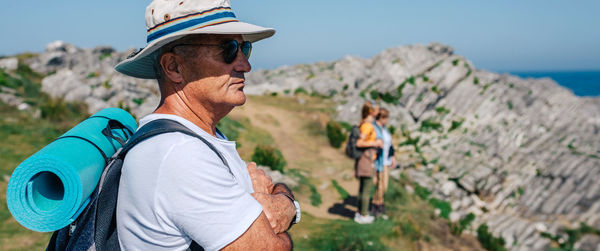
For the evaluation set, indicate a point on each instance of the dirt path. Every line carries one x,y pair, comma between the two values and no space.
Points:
292,134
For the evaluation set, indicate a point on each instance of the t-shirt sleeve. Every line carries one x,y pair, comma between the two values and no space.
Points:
202,198
367,129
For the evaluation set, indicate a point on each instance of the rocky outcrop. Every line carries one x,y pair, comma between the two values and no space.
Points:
88,75
520,154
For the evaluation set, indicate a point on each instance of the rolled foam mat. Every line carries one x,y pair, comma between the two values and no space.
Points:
48,190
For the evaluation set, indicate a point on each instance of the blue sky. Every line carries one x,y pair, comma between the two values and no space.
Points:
506,35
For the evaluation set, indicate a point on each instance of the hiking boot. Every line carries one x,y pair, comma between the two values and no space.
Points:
360,219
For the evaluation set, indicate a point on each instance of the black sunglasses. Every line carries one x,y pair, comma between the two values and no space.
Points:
230,49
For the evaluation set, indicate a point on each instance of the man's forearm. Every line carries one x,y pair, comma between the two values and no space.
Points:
279,210
285,242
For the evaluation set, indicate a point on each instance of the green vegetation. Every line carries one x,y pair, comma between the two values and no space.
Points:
436,90
269,156
345,125
488,241
464,223
104,55
93,75
442,110
485,87
573,235
343,193
476,81
422,192
399,90
388,98
374,94
347,235
310,75
335,134
410,80
443,206
509,104
300,90
304,184
469,69
231,128
420,97
428,125
106,84
138,101
24,134
455,62
455,124
392,129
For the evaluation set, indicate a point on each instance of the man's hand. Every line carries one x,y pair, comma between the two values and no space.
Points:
278,208
260,181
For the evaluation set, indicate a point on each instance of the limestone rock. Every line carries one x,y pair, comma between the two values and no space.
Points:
9,64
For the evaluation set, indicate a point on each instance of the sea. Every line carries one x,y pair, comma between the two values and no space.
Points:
581,83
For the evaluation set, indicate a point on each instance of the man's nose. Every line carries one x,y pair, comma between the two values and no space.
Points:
241,63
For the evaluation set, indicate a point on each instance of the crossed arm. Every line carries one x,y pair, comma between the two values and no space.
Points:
268,232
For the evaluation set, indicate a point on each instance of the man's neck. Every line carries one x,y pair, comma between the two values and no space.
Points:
205,116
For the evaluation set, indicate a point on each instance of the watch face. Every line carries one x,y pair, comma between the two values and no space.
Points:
298,212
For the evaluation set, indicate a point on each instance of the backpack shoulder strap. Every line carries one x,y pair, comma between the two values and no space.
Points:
161,126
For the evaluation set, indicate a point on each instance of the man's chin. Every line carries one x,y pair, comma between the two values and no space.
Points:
239,99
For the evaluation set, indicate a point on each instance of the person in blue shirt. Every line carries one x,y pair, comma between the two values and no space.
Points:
384,161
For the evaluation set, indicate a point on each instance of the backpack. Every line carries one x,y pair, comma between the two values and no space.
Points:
352,150
96,227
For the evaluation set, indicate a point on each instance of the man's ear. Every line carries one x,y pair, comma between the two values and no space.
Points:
170,67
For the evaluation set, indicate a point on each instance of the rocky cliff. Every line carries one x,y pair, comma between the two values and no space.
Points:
520,154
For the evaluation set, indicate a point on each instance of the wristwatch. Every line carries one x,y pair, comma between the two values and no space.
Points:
298,212
297,205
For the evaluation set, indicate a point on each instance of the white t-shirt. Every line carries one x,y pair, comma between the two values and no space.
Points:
387,143
174,189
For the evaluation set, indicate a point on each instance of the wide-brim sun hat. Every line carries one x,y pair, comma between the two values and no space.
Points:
169,20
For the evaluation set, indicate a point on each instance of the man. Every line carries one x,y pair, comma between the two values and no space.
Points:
174,189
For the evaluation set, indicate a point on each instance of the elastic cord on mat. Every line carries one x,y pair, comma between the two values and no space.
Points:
109,119
87,140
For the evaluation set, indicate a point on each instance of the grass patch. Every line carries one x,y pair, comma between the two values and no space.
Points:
300,90
306,184
347,235
488,241
230,127
443,206
335,133
269,156
464,223
341,191
23,135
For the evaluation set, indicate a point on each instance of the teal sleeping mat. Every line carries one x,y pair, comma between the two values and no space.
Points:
48,190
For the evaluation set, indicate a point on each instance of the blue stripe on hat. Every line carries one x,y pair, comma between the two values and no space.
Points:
198,22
